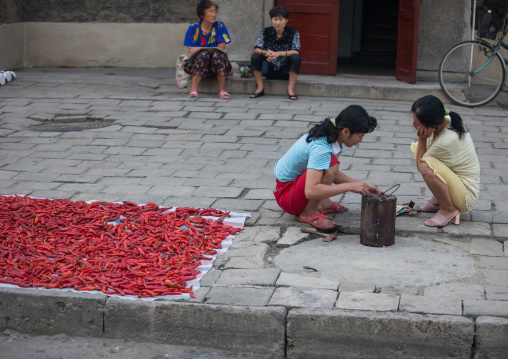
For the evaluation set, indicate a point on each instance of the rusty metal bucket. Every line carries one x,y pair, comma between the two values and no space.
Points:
377,223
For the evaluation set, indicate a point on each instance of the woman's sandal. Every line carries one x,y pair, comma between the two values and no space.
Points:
334,208
292,97
428,207
316,221
258,94
440,221
224,95
193,94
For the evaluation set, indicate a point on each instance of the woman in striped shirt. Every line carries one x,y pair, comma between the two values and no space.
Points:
308,174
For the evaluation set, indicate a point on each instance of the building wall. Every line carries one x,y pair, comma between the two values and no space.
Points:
11,45
121,33
150,33
442,24
103,44
90,11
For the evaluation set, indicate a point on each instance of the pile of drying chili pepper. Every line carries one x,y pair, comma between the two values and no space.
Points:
115,248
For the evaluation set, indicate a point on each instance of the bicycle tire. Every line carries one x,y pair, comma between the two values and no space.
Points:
458,81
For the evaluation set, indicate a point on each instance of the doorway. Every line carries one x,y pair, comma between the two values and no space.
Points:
367,44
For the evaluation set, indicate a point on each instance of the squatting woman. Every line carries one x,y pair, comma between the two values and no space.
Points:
308,174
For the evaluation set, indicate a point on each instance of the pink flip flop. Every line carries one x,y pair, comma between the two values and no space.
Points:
193,94
224,95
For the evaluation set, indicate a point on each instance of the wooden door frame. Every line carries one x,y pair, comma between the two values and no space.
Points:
323,68
407,40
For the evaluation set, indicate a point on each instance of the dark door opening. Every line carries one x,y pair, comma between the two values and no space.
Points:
367,37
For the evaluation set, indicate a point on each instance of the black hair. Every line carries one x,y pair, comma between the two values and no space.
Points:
204,5
353,117
279,11
430,112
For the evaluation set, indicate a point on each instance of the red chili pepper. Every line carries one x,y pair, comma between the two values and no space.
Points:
60,243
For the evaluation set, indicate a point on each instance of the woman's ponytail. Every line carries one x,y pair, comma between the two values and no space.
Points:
326,129
457,124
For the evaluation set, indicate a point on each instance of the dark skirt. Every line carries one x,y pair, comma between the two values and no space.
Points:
206,64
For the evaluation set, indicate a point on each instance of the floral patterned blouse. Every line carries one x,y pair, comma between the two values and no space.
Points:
217,35
290,40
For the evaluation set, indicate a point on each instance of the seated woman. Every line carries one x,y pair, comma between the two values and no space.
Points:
279,47
446,158
308,174
208,33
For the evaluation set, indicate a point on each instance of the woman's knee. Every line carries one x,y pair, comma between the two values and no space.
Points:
256,61
330,174
220,56
425,170
295,58
203,54
294,62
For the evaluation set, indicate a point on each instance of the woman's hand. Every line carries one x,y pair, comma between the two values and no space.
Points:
271,55
373,189
363,188
424,132
192,49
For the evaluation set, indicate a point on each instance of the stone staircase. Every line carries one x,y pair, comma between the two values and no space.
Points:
379,35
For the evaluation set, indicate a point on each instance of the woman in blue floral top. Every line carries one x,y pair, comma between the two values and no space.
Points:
279,47
201,37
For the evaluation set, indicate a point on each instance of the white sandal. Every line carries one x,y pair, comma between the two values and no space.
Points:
440,221
428,207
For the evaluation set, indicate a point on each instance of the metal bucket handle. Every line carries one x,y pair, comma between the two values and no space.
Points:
395,185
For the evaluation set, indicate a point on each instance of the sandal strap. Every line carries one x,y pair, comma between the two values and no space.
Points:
428,207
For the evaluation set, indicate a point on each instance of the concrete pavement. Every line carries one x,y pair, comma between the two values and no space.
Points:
435,293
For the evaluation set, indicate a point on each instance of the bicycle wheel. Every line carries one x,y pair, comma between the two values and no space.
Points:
467,78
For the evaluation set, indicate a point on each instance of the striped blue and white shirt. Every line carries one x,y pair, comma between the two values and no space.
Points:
302,155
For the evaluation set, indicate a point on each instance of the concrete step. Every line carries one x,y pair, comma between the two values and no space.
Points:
372,87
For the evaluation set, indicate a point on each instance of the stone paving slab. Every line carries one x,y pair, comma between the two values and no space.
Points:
368,301
249,277
244,296
309,280
486,247
457,290
430,304
495,292
492,308
302,297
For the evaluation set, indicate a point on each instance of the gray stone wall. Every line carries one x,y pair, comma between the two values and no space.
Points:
9,11
244,20
442,24
119,11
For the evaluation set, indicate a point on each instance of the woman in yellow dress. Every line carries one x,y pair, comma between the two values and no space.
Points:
446,158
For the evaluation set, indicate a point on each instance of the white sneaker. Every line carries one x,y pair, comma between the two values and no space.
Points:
8,76
2,78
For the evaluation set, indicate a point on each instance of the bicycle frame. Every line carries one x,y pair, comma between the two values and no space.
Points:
478,81
497,46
